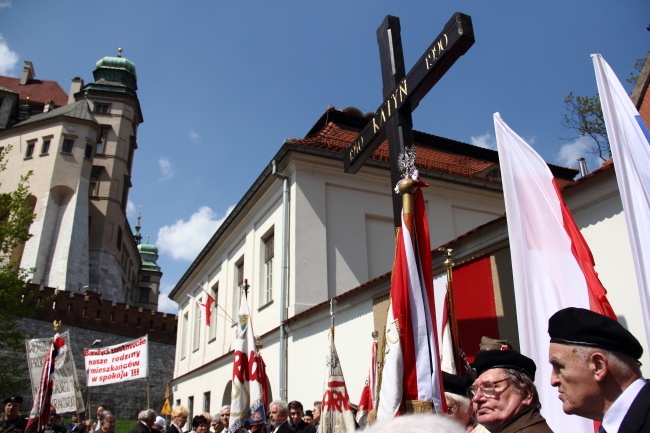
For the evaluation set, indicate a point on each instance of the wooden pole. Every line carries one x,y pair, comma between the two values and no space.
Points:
451,309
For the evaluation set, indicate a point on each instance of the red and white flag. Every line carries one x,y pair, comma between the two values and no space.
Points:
248,377
336,413
629,140
552,266
411,369
205,307
367,400
40,414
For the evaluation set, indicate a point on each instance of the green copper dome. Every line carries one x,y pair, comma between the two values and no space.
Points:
116,70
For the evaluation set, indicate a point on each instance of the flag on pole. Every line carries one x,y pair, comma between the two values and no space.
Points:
629,140
40,414
367,400
205,307
249,376
411,368
336,414
447,359
552,266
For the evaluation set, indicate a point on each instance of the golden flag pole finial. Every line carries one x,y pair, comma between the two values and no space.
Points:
56,325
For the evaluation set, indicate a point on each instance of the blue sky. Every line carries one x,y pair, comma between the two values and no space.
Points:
223,84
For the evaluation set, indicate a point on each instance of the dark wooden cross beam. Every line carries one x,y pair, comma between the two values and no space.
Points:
402,94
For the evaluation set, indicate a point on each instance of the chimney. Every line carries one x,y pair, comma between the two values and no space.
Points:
583,167
28,73
75,87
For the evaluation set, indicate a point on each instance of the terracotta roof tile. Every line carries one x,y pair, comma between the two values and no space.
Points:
38,91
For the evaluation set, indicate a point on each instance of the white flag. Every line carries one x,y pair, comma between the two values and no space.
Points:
336,414
629,140
552,267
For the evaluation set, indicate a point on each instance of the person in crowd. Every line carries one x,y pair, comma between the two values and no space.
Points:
98,415
459,405
215,425
88,425
106,422
146,419
316,411
200,424
54,424
159,425
597,372
418,423
279,415
224,416
295,418
11,421
75,426
179,419
504,397
308,417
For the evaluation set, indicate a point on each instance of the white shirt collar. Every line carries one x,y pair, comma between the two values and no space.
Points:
617,411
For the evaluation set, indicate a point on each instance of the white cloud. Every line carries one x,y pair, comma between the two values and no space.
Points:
130,209
184,239
8,58
485,141
194,136
166,305
166,167
579,148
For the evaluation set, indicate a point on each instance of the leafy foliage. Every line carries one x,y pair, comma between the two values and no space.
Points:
585,116
16,216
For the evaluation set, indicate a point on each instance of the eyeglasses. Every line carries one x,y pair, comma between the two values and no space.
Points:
487,388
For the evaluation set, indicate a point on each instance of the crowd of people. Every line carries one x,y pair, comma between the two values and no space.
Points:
594,362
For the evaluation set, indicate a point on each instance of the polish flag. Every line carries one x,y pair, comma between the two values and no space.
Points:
411,369
552,265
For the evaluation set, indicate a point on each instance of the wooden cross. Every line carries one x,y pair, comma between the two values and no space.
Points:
402,93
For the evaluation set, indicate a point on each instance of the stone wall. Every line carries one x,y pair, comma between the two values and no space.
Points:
88,318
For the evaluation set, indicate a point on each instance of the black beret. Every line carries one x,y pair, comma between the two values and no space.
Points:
488,343
512,359
455,384
14,399
581,327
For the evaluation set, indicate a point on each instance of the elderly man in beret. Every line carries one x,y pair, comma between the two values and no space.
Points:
596,370
11,421
504,397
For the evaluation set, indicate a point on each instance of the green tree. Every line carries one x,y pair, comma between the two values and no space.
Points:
16,215
584,115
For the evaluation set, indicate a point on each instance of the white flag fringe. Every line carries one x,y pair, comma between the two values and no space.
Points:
629,141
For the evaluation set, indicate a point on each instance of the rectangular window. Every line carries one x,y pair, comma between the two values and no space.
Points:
101,142
29,152
185,326
102,108
144,295
190,407
196,336
239,284
212,331
68,144
206,402
95,176
45,147
89,151
269,251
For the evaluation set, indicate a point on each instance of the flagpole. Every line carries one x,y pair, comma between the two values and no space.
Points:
451,308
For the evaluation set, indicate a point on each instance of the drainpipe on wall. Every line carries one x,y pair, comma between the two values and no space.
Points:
284,289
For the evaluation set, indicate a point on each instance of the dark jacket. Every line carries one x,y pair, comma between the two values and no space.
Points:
529,421
303,427
637,418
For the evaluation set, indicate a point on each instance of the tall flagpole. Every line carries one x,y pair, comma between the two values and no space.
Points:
451,309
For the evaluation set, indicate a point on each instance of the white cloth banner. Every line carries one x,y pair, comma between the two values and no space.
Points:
119,363
66,395
546,274
629,140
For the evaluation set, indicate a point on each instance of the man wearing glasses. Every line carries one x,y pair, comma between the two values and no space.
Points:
504,397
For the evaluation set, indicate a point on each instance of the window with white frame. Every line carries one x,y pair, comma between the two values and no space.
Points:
196,335
239,283
212,331
266,294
